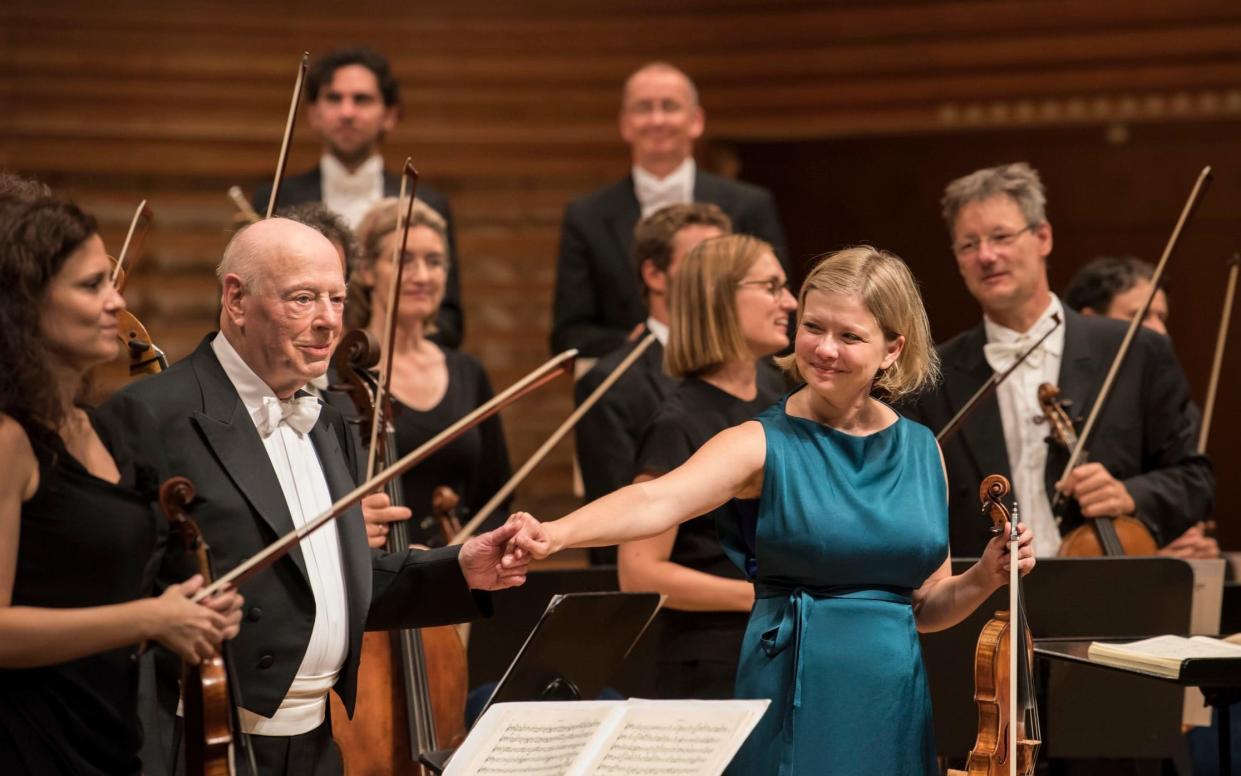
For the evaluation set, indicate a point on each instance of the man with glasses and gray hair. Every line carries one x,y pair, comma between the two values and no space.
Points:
1143,461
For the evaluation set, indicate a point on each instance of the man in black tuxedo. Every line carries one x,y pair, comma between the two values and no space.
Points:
1143,459
608,436
354,101
598,302
264,458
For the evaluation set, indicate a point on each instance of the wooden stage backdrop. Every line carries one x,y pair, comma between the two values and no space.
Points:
854,112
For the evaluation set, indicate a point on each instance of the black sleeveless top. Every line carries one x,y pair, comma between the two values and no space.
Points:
84,542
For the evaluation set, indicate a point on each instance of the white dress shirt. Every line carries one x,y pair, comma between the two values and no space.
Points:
301,477
1025,433
676,189
351,194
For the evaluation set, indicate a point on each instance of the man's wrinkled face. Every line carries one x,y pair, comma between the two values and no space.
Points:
1001,257
290,317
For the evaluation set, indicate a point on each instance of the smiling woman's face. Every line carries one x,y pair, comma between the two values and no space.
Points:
840,346
78,322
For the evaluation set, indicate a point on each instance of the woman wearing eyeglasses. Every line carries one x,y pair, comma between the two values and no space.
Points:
729,307
843,531
433,386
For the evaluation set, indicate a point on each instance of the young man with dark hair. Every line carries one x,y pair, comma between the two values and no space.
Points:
353,103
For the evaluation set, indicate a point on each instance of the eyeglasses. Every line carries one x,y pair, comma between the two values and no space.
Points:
774,286
996,240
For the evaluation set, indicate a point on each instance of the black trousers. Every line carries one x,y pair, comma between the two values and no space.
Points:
308,754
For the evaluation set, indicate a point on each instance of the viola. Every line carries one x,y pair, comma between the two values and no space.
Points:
1110,535
1008,736
144,356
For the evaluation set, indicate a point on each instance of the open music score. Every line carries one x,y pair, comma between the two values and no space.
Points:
636,737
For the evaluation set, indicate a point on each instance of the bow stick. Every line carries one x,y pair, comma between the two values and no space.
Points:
1078,452
561,364
469,528
1208,408
993,383
247,212
288,132
144,216
409,176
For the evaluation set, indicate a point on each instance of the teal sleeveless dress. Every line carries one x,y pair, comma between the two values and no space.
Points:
846,528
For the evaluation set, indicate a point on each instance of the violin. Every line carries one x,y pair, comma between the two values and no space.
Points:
144,357
1111,535
1008,728
206,701
412,684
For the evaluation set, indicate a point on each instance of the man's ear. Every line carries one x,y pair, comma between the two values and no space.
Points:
232,299
655,279
391,114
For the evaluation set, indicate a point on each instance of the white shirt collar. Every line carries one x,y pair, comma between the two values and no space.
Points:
660,330
676,189
351,194
250,387
332,169
1053,345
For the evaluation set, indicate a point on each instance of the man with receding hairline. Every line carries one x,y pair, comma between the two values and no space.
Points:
597,301
265,458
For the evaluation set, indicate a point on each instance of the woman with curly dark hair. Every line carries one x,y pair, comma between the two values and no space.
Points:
79,528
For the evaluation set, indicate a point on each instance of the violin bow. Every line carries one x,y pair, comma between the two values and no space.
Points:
1083,438
558,365
469,528
143,216
247,212
987,388
288,132
1217,363
409,176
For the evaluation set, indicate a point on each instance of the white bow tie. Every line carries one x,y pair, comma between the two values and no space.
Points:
300,413
658,194
1001,355
353,185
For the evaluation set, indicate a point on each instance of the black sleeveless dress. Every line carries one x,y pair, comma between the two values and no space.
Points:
84,542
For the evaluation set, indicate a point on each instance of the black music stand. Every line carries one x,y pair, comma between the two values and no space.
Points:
572,652
1218,679
1085,713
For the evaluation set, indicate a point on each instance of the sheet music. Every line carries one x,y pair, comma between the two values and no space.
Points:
530,739
687,738
636,738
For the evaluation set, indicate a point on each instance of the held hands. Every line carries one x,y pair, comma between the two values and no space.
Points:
1097,492
994,562
377,512
534,541
487,563
195,631
1194,543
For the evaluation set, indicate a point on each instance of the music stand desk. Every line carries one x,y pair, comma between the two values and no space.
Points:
1219,681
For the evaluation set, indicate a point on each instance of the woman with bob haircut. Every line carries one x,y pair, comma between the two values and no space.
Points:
80,526
847,543
729,313
433,386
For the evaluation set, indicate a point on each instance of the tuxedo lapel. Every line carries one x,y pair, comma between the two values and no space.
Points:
355,553
392,184
621,214
232,437
983,432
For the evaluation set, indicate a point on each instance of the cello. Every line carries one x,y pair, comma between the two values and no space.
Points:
424,710
1008,728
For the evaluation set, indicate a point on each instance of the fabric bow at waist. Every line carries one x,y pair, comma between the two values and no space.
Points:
794,620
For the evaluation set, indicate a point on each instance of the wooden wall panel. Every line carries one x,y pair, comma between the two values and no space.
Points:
510,107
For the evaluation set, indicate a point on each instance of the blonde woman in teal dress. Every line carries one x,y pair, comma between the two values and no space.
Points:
848,543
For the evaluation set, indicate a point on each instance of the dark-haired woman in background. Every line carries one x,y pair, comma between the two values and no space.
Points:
79,528
729,309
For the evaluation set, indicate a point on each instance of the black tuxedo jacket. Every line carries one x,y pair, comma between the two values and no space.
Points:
609,434
308,187
1145,435
598,300
201,427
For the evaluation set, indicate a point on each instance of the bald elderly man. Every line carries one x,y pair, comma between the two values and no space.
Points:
264,458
